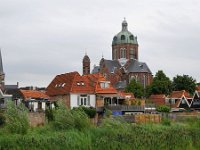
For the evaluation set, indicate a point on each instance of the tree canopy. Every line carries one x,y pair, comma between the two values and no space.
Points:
184,82
161,84
136,88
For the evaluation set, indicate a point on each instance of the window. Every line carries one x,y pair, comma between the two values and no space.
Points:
131,37
123,37
104,85
115,54
123,53
132,53
84,100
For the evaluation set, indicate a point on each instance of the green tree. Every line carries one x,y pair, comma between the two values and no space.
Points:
184,82
161,84
136,88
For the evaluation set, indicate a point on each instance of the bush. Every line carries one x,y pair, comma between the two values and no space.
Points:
16,118
2,119
90,111
166,122
81,120
49,114
63,118
163,108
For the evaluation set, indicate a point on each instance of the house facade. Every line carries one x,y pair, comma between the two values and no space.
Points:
91,90
35,101
179,99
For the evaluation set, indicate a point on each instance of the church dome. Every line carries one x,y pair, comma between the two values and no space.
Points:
124,37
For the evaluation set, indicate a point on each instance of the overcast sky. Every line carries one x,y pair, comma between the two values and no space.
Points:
42,38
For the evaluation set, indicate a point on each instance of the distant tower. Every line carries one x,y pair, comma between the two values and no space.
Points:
2,74
124,44
86,65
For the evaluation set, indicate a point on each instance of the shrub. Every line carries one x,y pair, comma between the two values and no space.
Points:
63,118
16,118
108,112
81,120
90,111
49,114
2,119
166,122
163,108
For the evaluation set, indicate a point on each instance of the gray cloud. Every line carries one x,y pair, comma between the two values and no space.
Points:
42,38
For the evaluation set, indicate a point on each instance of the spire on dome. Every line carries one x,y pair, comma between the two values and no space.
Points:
124,25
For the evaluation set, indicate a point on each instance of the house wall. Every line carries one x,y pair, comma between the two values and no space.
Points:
74,100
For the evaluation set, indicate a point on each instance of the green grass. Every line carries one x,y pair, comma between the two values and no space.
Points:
118,136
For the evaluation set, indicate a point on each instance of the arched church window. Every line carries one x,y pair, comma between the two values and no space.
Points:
123,53
131,37
115,38
123,37
132,53
115,54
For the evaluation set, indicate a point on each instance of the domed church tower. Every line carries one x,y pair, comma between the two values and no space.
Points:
124,44
86,65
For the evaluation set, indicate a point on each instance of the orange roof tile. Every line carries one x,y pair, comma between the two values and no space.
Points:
198,88
179,94
74,83
27,94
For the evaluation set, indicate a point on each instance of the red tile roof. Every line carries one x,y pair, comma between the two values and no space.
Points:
158,99
27,94
179,94
198,88
74,83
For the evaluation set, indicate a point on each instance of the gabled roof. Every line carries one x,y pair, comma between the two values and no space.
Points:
136,66
74,83
112,65
62,84
179,94
33,94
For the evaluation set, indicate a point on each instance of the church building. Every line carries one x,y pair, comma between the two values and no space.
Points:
124,65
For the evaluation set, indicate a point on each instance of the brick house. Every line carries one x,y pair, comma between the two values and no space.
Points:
87,90
179,99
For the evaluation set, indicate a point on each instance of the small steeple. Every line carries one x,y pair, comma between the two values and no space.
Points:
124,25
86,64
1,64
2,75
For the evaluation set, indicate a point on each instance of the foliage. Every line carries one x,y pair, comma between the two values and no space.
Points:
63,118
166,121
49,114
81,120
161,84
108,113
136,88
16,118
163,108
184,82
2,119
114,133
90,111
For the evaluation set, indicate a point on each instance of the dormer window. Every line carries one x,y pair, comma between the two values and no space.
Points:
78,83
104,85
82,83
123,37
131,37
